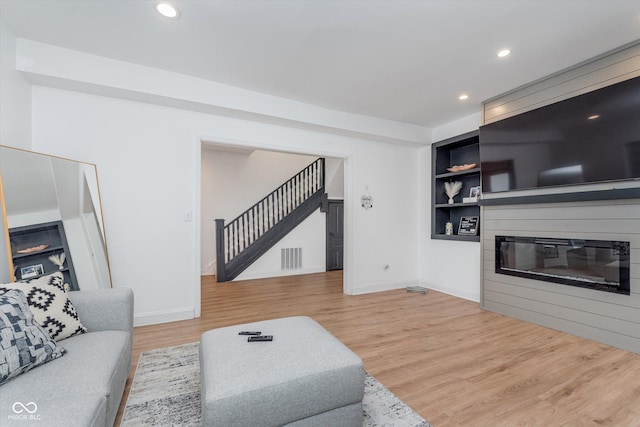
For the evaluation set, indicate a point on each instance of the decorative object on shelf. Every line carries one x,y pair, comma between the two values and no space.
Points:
58,260
448,229
366,200
452,189
474,195
468,226
33,249
460,168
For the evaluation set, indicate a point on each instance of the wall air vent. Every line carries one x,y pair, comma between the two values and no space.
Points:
290,258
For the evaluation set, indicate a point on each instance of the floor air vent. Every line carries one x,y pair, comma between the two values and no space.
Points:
290,258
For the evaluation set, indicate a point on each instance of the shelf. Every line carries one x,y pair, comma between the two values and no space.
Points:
582,196
452,174
456,237
455,205
44,251
42,275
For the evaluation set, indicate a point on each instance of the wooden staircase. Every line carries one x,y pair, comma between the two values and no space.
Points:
250,235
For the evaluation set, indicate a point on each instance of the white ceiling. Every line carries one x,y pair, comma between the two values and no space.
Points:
405,61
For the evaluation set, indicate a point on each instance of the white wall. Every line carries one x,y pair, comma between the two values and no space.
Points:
452,267
385,234
145,162
54,66
15,102
148,160
122,117
334,178
15,115
36,217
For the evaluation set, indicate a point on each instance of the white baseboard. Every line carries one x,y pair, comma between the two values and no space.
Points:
381,287
278,273
471,296
163,317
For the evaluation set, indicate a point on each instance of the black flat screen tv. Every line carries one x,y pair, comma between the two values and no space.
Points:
590,138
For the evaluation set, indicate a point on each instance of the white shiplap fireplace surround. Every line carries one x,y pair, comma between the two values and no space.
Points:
601,212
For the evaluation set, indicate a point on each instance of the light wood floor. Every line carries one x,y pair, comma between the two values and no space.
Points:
452,362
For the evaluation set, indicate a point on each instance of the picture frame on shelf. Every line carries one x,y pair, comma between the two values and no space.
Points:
474,195
468,226
31,271
475,192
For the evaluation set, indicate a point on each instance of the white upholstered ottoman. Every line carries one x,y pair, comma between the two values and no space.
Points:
304,377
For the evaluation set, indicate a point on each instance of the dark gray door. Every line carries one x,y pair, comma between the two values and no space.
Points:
335,234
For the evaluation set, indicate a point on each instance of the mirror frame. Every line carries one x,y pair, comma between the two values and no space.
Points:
99,217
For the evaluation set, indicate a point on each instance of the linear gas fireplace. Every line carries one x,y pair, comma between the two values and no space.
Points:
595,264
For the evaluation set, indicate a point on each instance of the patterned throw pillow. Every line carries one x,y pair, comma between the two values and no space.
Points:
23,343
50,305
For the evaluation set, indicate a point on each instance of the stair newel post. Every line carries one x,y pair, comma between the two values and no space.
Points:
221,273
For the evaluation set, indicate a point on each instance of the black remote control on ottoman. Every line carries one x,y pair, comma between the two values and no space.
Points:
260,338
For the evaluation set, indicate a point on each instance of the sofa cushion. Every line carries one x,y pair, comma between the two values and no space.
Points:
23,343
50,305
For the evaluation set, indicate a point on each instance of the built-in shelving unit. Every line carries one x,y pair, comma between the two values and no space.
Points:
31,247
459,150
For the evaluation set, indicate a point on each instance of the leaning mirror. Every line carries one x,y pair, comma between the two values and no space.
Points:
53,219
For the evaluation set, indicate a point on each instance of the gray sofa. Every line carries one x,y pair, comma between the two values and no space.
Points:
84,387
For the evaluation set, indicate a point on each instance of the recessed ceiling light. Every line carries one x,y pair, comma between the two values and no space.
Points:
503,53
463,97
593,117
167,10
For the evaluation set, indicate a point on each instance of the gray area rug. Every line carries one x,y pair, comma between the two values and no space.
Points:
166,392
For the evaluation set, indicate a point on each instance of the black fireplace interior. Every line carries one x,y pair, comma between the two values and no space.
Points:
595,264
